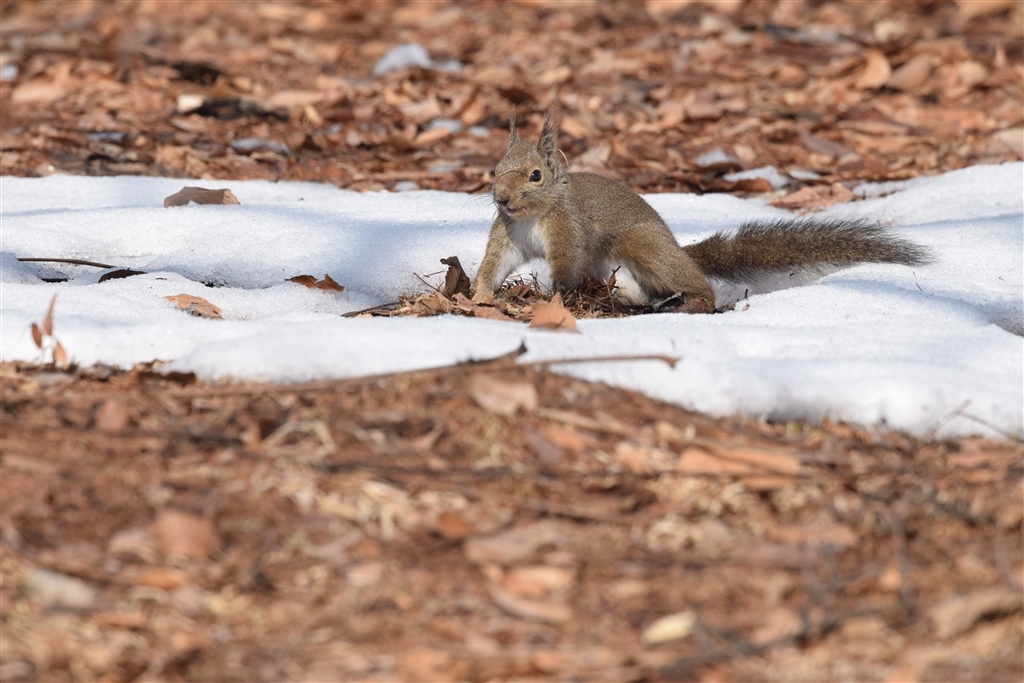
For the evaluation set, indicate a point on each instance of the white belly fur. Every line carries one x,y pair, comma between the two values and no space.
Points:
527,238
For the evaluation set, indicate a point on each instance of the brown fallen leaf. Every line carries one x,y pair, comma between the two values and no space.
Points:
164,578
876,71
120,273
434,303
37,336
478,310
60,356
452,526
328,284
813,198
553,315
180,533
957,615
502,397
194,305
455,280
200,195
912,73
48,319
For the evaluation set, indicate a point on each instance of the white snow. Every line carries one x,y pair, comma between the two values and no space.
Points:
934,350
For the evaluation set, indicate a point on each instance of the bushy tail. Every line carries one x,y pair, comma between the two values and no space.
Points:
761,247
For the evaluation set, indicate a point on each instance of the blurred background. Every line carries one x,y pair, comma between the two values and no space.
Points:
666,95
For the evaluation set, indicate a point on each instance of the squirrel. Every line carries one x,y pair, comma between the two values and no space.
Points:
584,225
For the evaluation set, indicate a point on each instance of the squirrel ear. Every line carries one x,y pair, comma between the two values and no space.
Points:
513,136
546,144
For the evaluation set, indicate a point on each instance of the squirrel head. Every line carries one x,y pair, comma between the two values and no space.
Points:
529,179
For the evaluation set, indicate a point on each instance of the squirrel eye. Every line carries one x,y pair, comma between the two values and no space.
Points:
535,176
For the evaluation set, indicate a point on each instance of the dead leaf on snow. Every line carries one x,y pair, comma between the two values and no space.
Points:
37,336
328,284
200,195
553,315
479,310
48,319
814,198
502,397
434,303
60,356
455,280
194,305
120,273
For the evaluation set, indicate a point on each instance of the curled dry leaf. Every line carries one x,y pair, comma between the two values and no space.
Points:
200,195
532,610
876,71
328,284
195,305
670,627
553,315
37,336
48,320
455,280
60,357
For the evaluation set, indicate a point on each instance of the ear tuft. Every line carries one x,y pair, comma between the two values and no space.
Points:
548,132
513,136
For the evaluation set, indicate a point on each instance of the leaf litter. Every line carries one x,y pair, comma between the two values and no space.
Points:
348,518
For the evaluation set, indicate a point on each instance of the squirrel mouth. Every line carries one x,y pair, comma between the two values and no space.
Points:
513,211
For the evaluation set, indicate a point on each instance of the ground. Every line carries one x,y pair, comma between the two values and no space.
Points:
492,521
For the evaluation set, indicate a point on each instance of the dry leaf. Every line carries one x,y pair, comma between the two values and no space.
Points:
60,356
194,305
958,614
120,273
48,320
455,280
501,396
200,195
553,315
813,198
434,303
480,311
164,578
327,284
37,336
452,526
912,73
876,72
179,533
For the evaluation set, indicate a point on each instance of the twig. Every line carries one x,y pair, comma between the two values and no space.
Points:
72,261
330,384
603,359
352,314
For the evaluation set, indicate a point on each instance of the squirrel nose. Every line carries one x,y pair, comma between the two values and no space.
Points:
502,200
